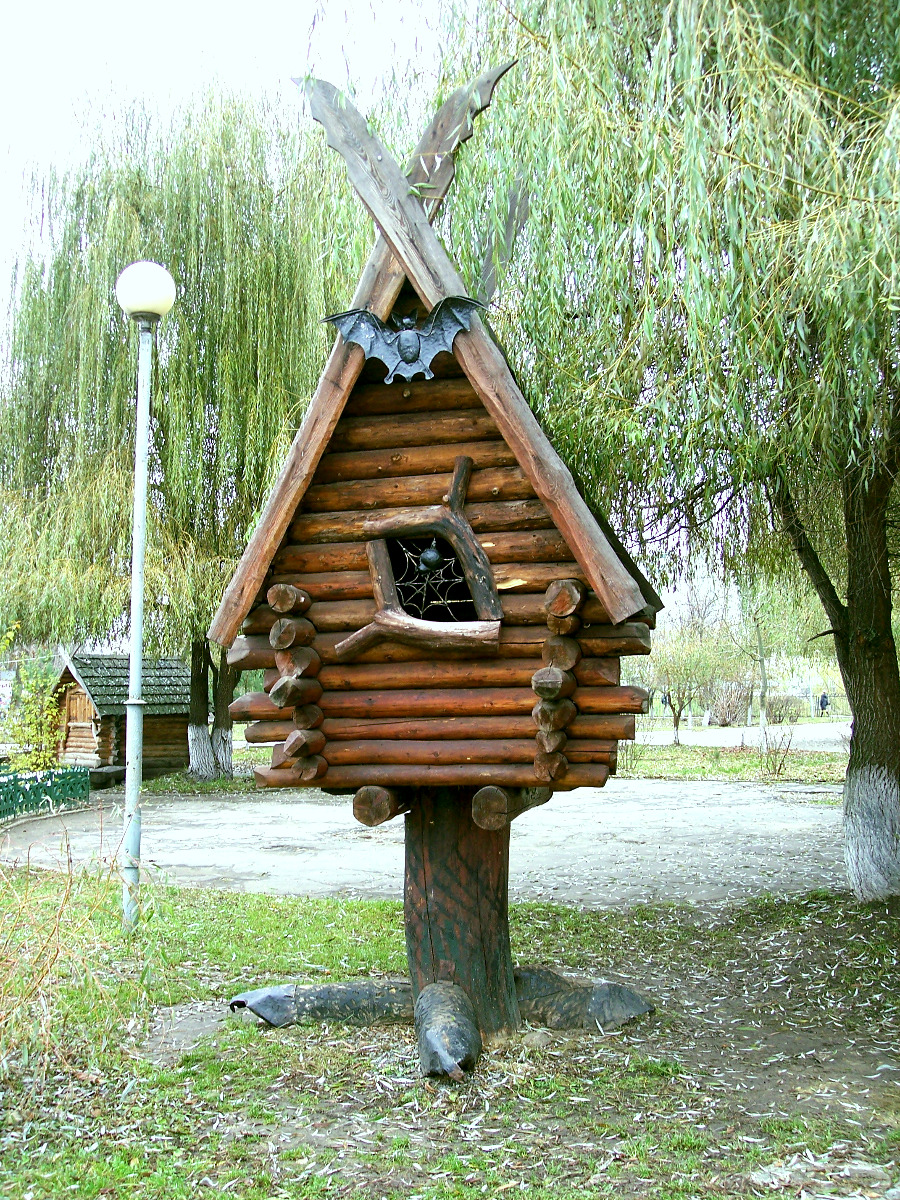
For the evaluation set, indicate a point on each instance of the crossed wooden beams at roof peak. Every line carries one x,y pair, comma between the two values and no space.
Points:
408,247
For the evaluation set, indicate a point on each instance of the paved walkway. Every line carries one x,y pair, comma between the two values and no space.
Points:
809,735
633,841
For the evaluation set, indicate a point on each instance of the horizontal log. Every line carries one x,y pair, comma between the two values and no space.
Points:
362,526
628,638
619,727
329,616
374,805
355,585
260,619
475,750
251,653
516,641
413,429
256,706
411,460
416,395
284,598
412,728
495,807
500,483
454,775
509,672
463,702
535,546
263,732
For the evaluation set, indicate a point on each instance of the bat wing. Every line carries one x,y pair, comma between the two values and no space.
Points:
446,319
366,330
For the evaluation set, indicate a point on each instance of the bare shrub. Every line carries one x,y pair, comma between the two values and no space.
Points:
728,702
782,709
774,751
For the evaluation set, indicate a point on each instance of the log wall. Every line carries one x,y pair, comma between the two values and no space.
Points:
397,714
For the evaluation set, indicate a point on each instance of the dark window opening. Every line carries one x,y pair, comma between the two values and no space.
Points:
430,580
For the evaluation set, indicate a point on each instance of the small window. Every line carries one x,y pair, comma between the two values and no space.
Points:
430,581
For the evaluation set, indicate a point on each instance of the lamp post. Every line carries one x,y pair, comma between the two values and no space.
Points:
146,292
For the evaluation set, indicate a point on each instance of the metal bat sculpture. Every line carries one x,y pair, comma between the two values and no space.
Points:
409,348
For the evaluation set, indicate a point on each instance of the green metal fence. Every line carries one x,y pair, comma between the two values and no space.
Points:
23,792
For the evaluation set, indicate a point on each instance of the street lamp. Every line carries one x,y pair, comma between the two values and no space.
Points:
146,292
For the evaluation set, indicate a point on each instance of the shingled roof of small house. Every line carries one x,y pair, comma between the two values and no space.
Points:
166,683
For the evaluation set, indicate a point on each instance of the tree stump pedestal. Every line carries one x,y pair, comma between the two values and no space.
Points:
463,989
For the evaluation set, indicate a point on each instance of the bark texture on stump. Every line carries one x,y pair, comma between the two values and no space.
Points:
455,905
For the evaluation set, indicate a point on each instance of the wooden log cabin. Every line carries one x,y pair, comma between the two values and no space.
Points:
439,613
91,693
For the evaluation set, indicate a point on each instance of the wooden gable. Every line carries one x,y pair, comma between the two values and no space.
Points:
537,700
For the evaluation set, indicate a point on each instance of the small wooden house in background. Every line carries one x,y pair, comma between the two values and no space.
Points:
92,691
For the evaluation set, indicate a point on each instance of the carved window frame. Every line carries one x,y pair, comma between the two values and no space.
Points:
391,622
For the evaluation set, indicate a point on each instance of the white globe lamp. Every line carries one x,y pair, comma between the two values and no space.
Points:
145,290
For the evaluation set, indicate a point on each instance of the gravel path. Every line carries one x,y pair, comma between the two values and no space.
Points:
634,841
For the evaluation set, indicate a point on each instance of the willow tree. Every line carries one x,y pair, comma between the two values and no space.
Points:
249,216
707,295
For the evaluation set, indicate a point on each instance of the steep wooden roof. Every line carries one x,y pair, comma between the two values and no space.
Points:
409,249
166,683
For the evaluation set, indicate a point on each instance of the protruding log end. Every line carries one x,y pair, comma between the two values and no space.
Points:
447,1031
563,626
308,716
495,807
250,653
291,631
561,652
312,767
285,598
548,767
299,743
373,805
564,597
291,690
299,660
553,683
550,715
552,741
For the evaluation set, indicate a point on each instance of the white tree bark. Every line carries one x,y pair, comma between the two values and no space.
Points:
202,763
872,832
222,746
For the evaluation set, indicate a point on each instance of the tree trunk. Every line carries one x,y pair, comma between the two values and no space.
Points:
867,656
200,753
225,678
763,678
455,905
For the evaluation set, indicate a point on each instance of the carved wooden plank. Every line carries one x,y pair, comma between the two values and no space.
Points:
431,171
402,220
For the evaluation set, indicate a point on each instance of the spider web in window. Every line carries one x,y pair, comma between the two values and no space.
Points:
440,594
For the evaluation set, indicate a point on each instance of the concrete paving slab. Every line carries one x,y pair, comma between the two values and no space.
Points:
633,841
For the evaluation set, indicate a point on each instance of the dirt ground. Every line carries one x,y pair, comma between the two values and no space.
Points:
635,841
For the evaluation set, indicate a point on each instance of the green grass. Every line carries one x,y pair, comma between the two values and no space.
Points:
685,1104
739,764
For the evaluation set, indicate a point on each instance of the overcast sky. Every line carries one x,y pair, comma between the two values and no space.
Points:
62,62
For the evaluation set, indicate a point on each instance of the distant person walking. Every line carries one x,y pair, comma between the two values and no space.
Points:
823,704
